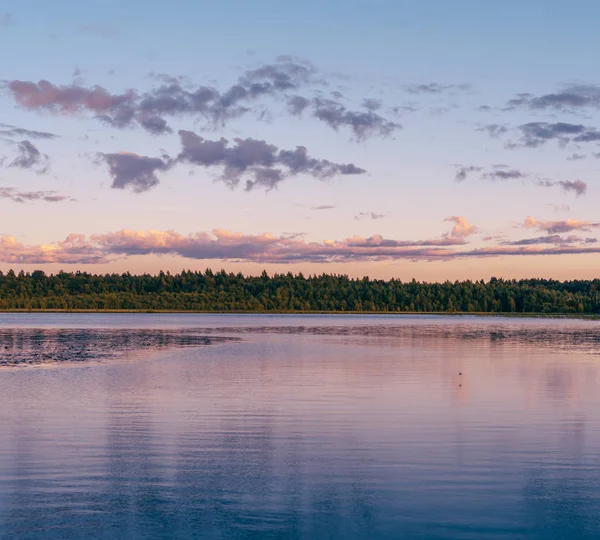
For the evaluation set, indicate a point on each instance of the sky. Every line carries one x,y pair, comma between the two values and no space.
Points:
406,139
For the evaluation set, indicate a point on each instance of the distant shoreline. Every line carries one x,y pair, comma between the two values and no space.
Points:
586,316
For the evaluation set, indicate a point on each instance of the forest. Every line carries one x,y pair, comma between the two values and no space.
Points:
222,291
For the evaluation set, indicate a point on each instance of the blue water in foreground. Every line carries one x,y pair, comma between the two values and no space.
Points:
230,426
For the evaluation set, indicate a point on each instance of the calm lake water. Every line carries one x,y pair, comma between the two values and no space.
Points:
233,426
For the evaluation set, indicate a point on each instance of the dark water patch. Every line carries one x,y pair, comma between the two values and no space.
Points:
25,346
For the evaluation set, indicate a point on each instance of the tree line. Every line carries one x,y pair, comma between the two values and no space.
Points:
222,291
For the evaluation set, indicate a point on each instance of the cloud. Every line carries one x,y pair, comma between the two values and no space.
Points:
369,215
363,124
323,207
570,98
281,80
502,173
267,248
577,186
560,208
494,130
6,19
12,131
129,170
536,134
260,163
436,88
15,195
463,172
558,227
576,157
553,239
462,228
29,157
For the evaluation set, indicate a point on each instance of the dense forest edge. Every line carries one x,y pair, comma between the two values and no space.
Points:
210,291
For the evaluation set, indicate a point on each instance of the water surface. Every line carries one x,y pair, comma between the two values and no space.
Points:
259,426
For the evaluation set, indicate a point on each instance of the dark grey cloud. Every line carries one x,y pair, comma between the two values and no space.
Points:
29,157
463,172
576,157
261,164
13,194
129,170
368,215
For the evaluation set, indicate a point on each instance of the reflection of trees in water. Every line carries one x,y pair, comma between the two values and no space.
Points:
35,346
562,498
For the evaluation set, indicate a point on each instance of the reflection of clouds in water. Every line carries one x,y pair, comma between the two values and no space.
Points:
585,339
39,346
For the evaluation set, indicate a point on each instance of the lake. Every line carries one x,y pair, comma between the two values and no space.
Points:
273,426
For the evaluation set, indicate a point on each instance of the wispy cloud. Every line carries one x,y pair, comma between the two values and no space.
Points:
369,215
20,196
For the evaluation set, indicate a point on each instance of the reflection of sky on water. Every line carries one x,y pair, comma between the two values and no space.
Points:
20,346
307,435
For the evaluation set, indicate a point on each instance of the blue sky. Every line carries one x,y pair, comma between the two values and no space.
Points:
503,91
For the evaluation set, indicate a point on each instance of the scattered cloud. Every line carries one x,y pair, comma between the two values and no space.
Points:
16,195
576,157
261,164
557,208
572,97
436,88
29,157
369,215
494,130
323,207
559,227
12,131
554,239
536,134
173,97
462,228
463,172
129,170
503,173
